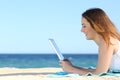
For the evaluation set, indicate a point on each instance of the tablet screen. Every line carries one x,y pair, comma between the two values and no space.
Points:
56,49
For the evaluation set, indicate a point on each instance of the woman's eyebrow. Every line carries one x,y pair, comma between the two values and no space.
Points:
82,24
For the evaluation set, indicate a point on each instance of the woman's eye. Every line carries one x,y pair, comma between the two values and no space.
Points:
84,26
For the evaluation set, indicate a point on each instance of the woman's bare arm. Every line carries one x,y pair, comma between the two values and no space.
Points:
104,59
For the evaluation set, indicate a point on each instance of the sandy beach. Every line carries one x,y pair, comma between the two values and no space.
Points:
41,74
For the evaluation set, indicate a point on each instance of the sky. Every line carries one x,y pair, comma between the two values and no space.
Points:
26,25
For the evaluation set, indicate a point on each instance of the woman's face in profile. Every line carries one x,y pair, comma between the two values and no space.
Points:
87,29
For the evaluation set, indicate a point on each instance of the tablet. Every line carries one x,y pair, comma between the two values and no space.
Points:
56,49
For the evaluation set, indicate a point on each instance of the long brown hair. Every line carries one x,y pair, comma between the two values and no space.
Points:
101,24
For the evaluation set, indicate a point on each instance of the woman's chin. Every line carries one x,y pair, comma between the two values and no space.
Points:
88,38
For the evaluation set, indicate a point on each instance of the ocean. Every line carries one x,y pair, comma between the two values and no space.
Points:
45,60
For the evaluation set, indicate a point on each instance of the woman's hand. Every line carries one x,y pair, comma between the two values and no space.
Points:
66,65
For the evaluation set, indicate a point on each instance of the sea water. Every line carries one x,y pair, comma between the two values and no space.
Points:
45,60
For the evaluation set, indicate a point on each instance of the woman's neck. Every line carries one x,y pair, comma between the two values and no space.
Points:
98,40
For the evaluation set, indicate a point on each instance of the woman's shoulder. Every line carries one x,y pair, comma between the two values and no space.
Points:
116,44
114,41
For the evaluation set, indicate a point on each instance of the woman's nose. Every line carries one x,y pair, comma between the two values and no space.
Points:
82,30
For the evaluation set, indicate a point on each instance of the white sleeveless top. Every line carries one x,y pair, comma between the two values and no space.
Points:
115,62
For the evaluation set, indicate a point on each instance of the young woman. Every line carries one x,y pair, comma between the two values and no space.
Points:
98,27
